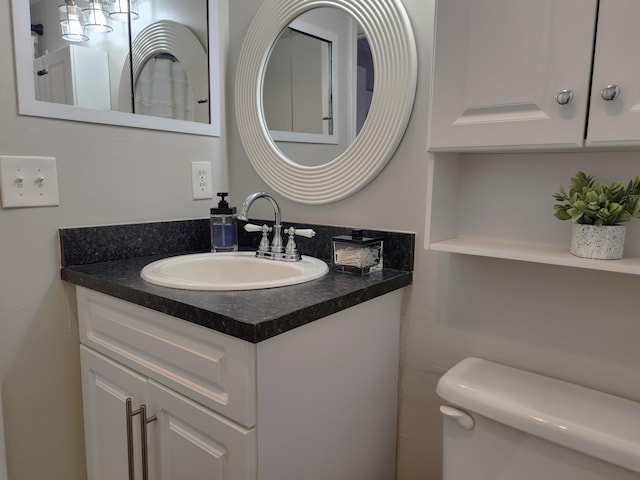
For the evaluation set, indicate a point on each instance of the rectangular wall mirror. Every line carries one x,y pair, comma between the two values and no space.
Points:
152,64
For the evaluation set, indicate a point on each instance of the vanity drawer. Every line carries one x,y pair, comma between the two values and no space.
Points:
214,369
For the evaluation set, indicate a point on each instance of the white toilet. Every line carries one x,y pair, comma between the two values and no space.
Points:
501,423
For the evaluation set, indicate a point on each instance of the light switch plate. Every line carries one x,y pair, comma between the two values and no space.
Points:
28,181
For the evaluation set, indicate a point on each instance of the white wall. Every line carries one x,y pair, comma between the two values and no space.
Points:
106,175
577,325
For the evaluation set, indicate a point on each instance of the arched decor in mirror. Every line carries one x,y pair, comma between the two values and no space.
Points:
392,44
172,42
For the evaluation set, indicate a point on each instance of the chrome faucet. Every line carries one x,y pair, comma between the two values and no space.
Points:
275,250
276,243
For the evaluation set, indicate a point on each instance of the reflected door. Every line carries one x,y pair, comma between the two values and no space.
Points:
73,75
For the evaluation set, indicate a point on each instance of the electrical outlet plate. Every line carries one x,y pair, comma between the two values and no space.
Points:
28,181
201,182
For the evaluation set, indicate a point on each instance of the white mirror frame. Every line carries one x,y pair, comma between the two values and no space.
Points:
28,105
390,35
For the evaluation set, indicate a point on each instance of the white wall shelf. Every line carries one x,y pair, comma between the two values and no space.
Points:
551,255
500,206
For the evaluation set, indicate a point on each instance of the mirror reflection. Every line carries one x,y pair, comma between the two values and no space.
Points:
85,54
162,89
298,84
317,86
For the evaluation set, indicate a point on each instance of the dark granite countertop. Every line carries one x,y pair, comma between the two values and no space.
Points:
251,315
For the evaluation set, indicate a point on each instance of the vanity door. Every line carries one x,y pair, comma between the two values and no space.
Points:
106,386
184,440
190,442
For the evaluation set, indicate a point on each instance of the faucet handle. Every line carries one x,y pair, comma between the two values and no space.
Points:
264,242
292,249
303,232
250,227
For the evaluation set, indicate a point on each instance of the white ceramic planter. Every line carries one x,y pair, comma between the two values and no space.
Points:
603,243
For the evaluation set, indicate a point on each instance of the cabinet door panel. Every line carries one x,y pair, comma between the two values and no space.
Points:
190,442
616,122
498,67
105,386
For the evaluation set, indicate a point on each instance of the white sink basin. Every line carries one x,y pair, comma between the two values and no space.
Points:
230,271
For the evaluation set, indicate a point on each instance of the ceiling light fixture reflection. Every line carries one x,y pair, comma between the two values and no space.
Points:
95,17
70,26
120,10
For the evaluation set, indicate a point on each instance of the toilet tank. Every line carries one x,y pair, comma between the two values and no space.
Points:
501,423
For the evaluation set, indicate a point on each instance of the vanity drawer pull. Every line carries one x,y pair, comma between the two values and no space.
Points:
144,421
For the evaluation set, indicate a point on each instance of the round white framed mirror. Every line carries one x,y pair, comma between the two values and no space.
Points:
392,44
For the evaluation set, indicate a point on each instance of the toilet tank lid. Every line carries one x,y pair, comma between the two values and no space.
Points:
594,423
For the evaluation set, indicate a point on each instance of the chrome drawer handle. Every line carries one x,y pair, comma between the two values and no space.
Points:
564,96
610,92
130,415
143,438
142,411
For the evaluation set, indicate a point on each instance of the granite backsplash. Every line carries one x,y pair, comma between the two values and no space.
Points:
97,244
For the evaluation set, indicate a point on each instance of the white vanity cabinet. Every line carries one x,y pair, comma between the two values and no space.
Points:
315,402
517,75
73,75
198,385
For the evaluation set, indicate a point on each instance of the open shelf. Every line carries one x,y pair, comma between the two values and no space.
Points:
533,253
500,206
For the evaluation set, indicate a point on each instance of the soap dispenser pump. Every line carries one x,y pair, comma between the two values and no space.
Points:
224,226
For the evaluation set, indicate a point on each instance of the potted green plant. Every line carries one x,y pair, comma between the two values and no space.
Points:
597,213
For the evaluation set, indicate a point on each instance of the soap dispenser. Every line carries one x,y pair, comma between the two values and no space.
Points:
224,226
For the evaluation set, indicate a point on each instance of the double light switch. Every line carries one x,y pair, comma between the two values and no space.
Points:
28,181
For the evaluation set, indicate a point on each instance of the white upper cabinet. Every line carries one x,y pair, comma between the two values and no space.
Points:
517,75
532,75
616,63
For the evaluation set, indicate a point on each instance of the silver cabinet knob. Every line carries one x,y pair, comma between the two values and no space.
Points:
564,96
610,92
